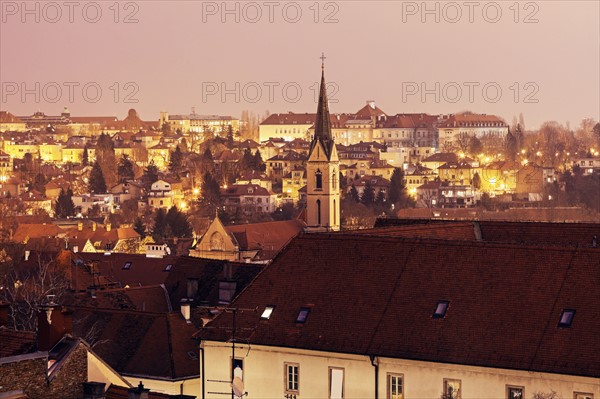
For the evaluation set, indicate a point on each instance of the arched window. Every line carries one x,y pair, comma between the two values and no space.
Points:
334,180
319,179
318,212
334,213
216,242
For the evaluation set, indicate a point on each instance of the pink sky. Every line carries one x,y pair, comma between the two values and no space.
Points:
379,50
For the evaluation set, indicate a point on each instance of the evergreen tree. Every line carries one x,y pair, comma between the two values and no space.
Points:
511,146
97,184
397,189
86,157
368,194
178,223
207,162
176,161
247,161
211,192
477,181
354,194
139,227
380,199
64,206
125,169
230,137
150,175
159,232
105,156
258,163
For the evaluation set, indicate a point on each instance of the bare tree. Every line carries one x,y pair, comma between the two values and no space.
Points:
26,286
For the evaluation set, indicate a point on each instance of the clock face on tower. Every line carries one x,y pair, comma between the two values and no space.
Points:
216,241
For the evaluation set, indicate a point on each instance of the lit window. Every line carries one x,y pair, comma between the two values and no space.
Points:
266,314
566,318
127,266
302,315
395,386
582,395
452,389
514,392
440,309
292,374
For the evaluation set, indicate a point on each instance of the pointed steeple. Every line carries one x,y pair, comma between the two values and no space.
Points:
323,121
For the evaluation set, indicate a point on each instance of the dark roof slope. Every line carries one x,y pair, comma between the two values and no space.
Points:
376,296
140,343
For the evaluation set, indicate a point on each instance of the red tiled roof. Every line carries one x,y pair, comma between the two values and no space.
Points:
13,343
117,392
472,120
7,117
33,230
269,237
376,296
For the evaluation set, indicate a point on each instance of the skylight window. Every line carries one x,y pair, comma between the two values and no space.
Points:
127,265
266,314
566,318
168,268
302,315
440,309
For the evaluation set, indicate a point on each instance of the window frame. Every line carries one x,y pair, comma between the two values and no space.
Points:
389,384
509,387
445,387
585,395
436,315
562,314
330,369
286,381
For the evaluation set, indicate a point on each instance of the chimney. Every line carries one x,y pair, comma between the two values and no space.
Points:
371,103
4,312
53,324
108,226
138,393
93,390
80,226
185,309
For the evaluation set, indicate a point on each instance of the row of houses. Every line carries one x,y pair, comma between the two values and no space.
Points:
409,309
370,123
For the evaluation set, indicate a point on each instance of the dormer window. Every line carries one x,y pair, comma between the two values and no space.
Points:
566,318
266,314
302,315
127,265
440,309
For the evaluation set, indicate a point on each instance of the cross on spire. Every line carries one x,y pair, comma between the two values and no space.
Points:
323,60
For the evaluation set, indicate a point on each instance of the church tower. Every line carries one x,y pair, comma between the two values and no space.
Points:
323,171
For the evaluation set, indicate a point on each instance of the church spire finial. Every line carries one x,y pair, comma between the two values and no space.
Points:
323,61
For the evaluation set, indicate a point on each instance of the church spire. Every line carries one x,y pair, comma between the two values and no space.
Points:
323,121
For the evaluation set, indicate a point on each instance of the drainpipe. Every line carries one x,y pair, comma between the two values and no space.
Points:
202,371
375,363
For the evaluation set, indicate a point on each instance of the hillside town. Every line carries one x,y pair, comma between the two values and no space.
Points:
310,255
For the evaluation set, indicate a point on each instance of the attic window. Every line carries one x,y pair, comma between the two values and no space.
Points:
440,309
566,318
302,315
127,266
266,314
192,355
168,268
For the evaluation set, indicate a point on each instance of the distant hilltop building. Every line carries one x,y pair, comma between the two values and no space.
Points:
370,124
199,123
